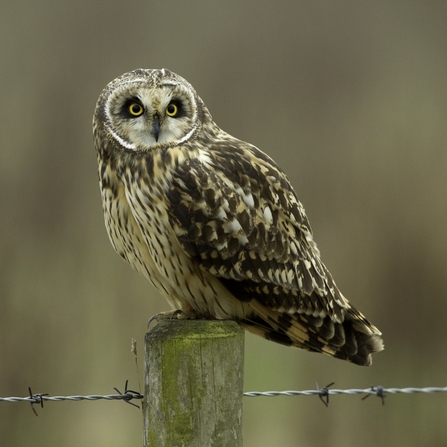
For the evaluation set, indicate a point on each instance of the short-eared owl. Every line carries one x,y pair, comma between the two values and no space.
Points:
213,222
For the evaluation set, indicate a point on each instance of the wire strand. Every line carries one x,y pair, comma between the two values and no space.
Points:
325,391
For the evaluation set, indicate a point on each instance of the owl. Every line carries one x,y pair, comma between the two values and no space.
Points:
213,223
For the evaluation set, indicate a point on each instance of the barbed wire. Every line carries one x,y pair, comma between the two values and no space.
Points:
371,390
38,398
322,393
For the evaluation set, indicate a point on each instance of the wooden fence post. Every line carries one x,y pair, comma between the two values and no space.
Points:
193,384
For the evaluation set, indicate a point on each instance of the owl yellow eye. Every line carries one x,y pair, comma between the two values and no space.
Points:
135,109
172,110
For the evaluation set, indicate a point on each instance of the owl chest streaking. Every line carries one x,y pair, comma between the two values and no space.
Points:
213,222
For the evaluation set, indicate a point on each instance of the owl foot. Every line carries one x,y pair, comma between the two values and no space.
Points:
176,314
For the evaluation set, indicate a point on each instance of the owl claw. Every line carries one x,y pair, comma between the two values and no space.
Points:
176,314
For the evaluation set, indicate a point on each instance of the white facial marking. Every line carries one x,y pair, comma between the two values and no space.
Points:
124,143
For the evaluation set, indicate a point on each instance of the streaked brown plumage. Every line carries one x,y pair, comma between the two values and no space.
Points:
213,222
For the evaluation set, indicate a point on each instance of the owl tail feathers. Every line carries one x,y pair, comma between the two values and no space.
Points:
354,340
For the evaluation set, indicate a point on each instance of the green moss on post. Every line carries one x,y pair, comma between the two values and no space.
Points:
193,384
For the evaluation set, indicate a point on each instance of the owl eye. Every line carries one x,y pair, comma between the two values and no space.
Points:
172,110
135,109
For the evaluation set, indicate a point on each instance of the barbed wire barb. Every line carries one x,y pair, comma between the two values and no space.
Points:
128,395
36,399
379,392
324,393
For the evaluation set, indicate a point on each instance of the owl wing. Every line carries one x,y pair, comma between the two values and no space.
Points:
235,213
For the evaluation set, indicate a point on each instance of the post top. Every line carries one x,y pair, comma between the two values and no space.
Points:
195,329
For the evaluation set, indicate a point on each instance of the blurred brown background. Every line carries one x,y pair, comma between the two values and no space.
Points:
350,98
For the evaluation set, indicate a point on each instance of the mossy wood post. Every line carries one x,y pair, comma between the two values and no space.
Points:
193,384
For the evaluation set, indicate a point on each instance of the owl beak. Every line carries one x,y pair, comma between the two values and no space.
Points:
156,127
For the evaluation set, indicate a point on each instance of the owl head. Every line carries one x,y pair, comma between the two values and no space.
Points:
145,109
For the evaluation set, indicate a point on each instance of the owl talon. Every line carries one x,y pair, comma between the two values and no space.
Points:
176,314
179,314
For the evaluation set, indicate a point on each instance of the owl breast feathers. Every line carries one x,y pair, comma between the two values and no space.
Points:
213,222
